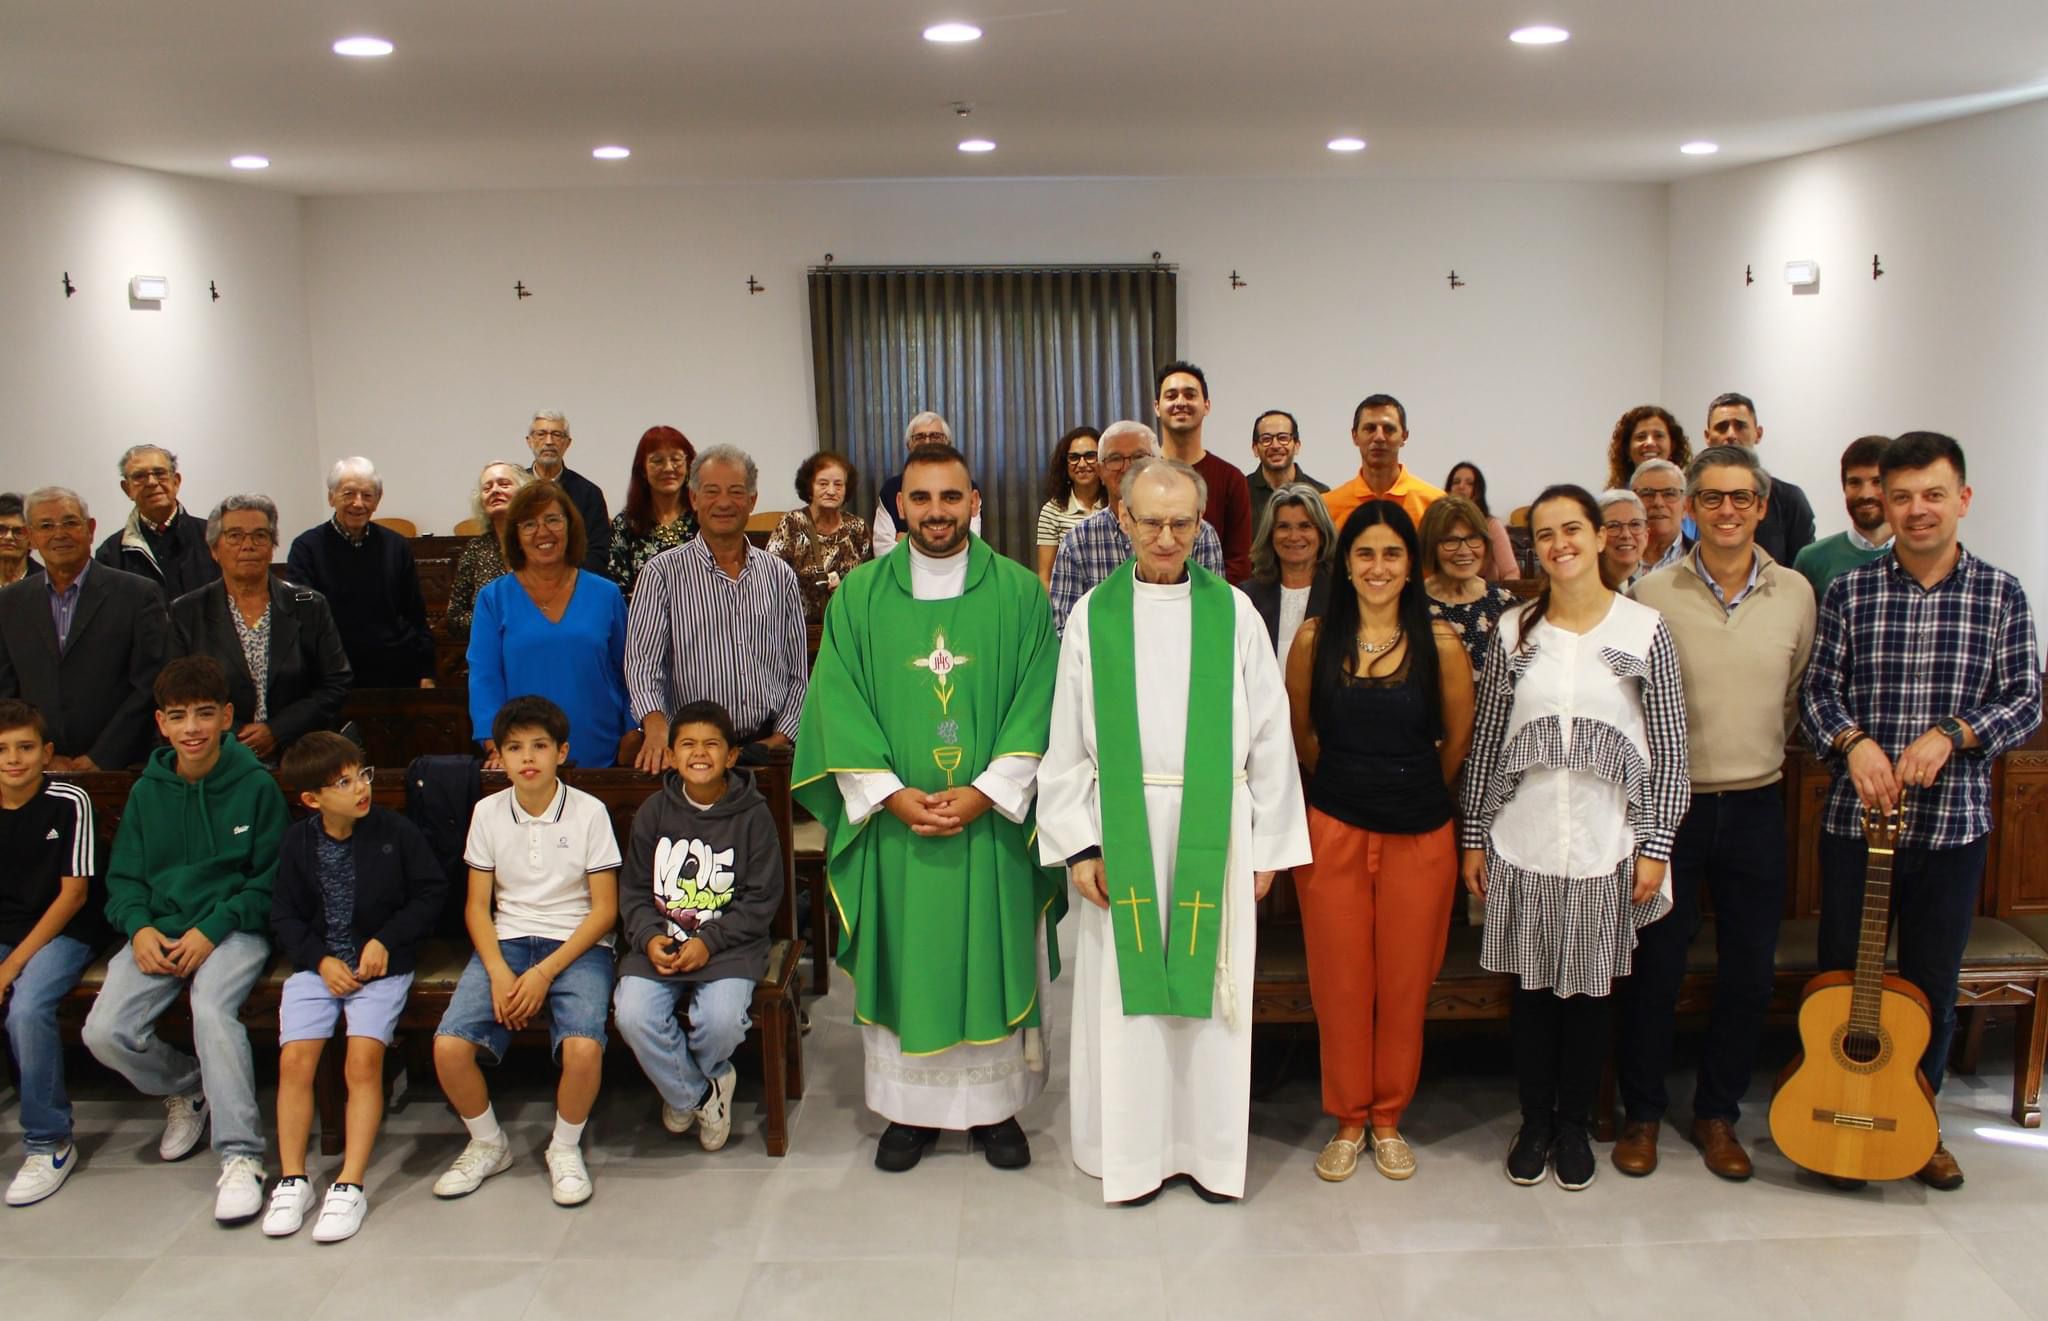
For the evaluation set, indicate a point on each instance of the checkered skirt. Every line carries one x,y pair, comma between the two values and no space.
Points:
1570,934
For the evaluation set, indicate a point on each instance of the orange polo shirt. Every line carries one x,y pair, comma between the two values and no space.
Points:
1408,491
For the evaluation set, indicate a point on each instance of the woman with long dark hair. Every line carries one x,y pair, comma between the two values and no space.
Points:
1499,563
657,513
1073,491
1576,785
1381,699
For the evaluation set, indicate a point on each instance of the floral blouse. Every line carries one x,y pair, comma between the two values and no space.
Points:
821,561
1475,620
631,551
481,563
256,651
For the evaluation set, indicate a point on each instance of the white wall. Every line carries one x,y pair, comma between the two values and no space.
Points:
425,359
225,385
1953,338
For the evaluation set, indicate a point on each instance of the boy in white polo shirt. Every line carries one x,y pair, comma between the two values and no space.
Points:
545,854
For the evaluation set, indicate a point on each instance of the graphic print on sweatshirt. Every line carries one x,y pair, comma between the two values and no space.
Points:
692,883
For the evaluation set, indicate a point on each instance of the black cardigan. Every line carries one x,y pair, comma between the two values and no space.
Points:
1265,594
373,591
309,671
399,887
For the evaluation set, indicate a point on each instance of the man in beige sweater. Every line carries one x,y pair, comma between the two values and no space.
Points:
1743,625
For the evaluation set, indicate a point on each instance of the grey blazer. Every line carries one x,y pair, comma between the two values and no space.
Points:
96,695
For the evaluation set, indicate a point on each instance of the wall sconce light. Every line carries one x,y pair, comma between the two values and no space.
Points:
149,288
1801,274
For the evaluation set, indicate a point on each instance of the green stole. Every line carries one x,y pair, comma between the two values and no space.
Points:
1176,975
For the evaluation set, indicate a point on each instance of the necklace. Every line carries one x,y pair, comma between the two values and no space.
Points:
1374,649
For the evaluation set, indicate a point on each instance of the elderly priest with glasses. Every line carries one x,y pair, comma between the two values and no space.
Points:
1172,821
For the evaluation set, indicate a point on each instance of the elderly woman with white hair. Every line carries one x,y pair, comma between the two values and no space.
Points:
371,583
287,671
482,561
1621,559
926,428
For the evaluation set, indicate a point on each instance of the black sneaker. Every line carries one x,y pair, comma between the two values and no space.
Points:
1529,1154
902,1147
1571,1158
1004,1144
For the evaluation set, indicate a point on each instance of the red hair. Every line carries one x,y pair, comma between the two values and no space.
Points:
639,491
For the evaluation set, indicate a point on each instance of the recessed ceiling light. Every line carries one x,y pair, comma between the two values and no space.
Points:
1347,144
977,145
952,34
249,162
1540,35
1700,148
363,48
612,153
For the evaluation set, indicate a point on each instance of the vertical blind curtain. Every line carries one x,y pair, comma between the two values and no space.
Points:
1011,356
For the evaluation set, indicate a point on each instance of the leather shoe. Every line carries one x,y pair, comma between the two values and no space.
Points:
1941,1172
903,1146
1721,1149
1004,1144
1635,1151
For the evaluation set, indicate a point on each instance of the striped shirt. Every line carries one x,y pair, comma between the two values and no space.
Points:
1056,520
1094,549
695,634
1893,658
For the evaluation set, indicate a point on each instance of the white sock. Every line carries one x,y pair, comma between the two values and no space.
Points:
484,1128
566,1133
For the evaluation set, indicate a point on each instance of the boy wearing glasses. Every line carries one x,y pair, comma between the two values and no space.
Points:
357,887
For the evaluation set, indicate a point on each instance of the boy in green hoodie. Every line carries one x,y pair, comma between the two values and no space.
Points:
188,884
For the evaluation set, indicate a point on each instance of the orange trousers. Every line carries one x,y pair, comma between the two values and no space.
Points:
1375,915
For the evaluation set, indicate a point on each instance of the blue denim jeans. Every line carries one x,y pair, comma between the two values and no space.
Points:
1934,904
682,1064
32,1036
575,1006
121,1034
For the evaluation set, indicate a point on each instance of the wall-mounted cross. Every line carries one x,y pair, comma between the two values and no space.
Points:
755,287
1235,282
214,289
1875,269
1456,283
1748,277
520,290
69,288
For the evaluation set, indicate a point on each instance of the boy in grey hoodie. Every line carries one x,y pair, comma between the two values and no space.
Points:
702,880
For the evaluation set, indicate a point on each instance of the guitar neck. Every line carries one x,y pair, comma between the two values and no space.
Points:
1870,945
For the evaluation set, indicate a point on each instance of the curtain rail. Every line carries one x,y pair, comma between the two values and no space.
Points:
1076,268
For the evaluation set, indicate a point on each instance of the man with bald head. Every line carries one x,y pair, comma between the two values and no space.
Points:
1099,543
1170,792
159,541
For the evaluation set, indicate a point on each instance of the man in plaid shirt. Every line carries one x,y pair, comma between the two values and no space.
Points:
1099,544
1925,669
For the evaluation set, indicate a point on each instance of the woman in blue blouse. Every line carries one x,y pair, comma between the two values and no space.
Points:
551,629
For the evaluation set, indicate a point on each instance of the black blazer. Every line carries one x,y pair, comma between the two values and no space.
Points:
96,697
1265,594
309,674
398,890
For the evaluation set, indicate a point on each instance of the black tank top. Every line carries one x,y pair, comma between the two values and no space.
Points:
1379,768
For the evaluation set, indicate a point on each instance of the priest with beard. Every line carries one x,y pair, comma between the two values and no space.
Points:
918,752
1172,820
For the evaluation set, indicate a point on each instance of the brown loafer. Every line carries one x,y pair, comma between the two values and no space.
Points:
1721,1149
1635,1151
1941,1172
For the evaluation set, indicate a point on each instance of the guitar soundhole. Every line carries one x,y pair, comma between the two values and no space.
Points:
1861,1052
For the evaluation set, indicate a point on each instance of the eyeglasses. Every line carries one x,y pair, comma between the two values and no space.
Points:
261,536
1273,438
149,476
9,530
1668,494
73,523
1474,543
552,522
1082,456
669,462
1150,528
1635,527
1708,498
929,437
363,776
539,434
1119,460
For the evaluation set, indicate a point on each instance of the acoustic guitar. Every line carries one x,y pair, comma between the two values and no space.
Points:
1854,1103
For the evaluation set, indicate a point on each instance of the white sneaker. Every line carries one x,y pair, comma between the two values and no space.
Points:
341,1215
289,1202
568,1176
714,1117
43,1173
241,1190
677,1121
478,1161
184,1125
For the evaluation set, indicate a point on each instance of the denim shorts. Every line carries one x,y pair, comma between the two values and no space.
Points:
307,1010
577,1001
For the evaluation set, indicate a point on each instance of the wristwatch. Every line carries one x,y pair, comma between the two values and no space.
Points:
1953,728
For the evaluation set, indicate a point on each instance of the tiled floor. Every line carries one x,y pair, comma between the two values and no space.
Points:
821,1235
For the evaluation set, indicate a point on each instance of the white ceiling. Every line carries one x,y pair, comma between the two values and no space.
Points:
515,93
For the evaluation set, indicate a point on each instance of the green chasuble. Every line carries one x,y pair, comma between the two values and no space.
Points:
1176,973
940,935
